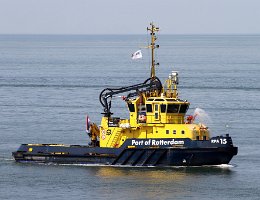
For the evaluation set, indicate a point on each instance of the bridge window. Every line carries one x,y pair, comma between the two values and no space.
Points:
131,107
149,108
156,112
156,107
156,115
163,108
184,108
158,100
173,108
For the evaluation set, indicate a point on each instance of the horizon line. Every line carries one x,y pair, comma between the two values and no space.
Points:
122,34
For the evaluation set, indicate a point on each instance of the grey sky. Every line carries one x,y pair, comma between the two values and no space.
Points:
129,16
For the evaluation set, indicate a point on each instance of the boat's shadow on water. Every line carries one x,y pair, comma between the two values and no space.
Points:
165,171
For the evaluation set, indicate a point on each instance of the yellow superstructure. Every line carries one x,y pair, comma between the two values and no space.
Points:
154,113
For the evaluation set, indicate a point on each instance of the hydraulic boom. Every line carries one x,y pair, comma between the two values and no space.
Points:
151,85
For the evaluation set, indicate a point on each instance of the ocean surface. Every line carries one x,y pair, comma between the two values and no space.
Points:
49,83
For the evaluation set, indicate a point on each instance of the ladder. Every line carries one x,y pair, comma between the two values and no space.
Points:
116,137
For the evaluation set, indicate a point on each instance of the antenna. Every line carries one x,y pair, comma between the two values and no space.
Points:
153,46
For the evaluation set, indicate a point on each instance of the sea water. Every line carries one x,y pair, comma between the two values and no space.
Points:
49,83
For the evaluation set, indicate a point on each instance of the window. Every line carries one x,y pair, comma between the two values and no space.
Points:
156,112
158,100
174,132
182,132
142,117
156,115
156,107
131,107
184,108
149,108
163,108
173,108
167,131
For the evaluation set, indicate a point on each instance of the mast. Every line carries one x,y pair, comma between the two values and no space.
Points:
153,46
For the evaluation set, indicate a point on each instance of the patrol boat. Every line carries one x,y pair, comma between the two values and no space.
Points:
157,133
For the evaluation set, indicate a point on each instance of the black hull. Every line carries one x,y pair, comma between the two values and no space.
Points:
200,155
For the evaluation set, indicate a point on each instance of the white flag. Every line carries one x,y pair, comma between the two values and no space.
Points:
137,55
87,124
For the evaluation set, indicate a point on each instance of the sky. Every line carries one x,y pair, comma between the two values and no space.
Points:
129,16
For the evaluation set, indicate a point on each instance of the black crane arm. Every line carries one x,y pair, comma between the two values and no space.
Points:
149,85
